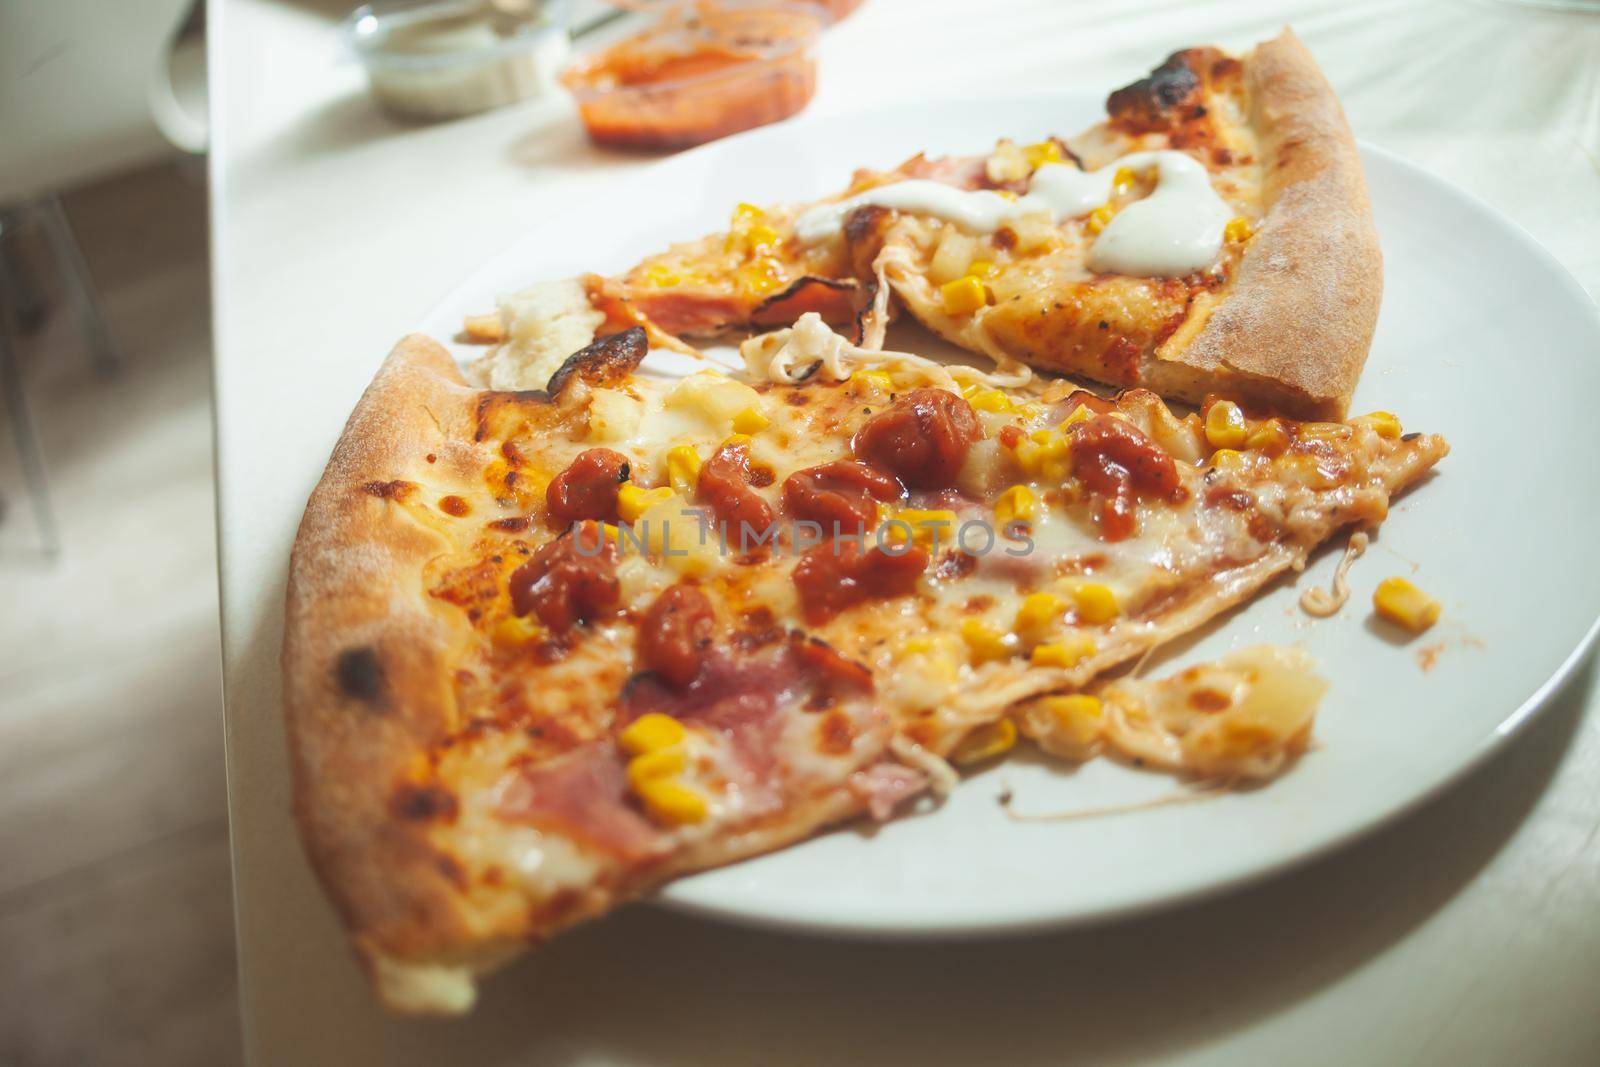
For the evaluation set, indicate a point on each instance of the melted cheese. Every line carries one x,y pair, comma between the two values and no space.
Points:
1243,716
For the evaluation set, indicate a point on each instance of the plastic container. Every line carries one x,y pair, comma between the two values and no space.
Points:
704,71
456,57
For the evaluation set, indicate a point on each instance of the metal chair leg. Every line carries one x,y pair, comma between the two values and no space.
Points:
26,436
17,280
79,285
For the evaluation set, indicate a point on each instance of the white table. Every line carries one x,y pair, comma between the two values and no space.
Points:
1464,934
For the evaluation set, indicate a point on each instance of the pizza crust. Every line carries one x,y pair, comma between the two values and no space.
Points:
1293,330
366,668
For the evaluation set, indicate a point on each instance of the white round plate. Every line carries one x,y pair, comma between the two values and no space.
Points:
1483,337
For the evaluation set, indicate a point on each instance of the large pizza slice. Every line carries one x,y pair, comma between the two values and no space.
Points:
548,648
1212,235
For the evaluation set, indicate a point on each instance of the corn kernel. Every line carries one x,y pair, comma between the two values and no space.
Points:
982,268
991,400
633,501
927,523
1225,425
1081,413
750,421
1400,602
986,742
963,296
1383,422
872,381
761,276
1096,603
661,275
1044,152
1039,610
744,214
1227,459
985,640
1017,504
736,440
1238,230
1123,181
484,329
650,732
1066,654
683,469
761,236
658,764
1269,437
1029,455
1077,715
515,631
670,801
1101,217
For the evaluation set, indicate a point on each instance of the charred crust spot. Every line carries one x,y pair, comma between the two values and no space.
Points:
1004,239
607,361
1104,325
954,565
1209,700
492,406
424,803
514,524
432,458
796,398
1225,67
797,291
1410,436
512,453
398,489
359,673
834,733
862,223
868,296
1155,101
452,870
454,505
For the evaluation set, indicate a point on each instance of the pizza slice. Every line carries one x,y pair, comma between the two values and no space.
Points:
1212,235
548,648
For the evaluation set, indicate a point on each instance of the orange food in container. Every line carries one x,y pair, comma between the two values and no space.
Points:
837,9
704,71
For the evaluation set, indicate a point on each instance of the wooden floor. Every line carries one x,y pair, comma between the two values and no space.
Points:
116,939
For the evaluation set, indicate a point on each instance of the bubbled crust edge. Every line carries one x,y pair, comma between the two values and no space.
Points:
1292,332
367,685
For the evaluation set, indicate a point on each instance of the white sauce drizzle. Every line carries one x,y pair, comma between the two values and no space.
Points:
1175,230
